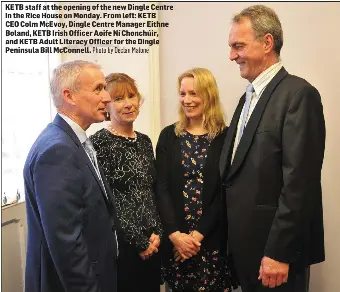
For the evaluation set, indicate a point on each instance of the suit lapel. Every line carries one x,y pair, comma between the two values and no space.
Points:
85,157
253,123
107,188
229,140
61,123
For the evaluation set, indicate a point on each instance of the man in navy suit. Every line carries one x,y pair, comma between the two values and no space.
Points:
70,210
271,163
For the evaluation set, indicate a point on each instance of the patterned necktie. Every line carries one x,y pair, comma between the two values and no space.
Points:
92,154
93,157
249,94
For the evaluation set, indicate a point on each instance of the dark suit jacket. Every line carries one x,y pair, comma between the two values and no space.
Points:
170,185
273,187
71,241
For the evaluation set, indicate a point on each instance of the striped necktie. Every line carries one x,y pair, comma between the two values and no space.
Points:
249,94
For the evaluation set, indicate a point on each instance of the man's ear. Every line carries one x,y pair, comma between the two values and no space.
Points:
268,42
68,96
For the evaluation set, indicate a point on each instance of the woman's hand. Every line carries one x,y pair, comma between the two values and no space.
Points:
155,240
185,245
197,235
177,256
153,247
149,251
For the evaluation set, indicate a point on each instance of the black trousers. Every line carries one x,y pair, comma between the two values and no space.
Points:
298,281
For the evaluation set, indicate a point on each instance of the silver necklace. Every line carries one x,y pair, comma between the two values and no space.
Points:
116,133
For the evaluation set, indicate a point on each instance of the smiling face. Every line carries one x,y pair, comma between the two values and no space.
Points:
192,104
246,51
90,98
124,107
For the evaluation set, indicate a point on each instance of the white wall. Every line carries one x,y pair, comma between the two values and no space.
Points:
198,37
13,250
133,65
141,67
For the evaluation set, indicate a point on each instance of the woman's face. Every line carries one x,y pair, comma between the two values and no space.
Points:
192,104
124,108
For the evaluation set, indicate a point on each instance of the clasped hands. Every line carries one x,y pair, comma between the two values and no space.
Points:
154,243
273,273
186,245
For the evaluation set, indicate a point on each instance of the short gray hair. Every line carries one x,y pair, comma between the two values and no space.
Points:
264,20
65,76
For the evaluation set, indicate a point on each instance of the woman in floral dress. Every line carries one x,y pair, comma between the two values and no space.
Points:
189,188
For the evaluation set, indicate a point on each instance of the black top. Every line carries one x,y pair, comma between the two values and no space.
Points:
171,181
206,271
128,165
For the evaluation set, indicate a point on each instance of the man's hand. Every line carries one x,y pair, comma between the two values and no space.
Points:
185,245
273,273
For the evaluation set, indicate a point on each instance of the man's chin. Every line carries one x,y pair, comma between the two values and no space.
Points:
243,74
100,119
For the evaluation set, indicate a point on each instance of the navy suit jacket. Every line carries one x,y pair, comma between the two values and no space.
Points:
71,231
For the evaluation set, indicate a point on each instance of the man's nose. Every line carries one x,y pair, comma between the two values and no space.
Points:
106,98
232,55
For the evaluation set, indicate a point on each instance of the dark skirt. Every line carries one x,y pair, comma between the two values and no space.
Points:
135,274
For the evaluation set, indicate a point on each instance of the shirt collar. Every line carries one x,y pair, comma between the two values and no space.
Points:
81,134
265,77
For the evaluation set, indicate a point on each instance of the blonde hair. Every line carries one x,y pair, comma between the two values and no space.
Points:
121,84
205,87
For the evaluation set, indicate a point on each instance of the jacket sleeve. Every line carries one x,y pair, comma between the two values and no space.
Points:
163,197
303,142
155,222
58,183
133,230
211,215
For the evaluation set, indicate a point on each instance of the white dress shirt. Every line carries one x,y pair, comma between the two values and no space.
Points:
259,84
81,134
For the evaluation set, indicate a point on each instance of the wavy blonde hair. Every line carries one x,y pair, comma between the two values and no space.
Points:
206,88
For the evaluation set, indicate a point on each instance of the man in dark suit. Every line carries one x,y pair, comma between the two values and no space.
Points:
271,163
70,211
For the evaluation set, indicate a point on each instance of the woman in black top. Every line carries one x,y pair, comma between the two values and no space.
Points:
127,159
189,188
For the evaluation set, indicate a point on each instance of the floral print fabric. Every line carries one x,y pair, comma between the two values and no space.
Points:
207,270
